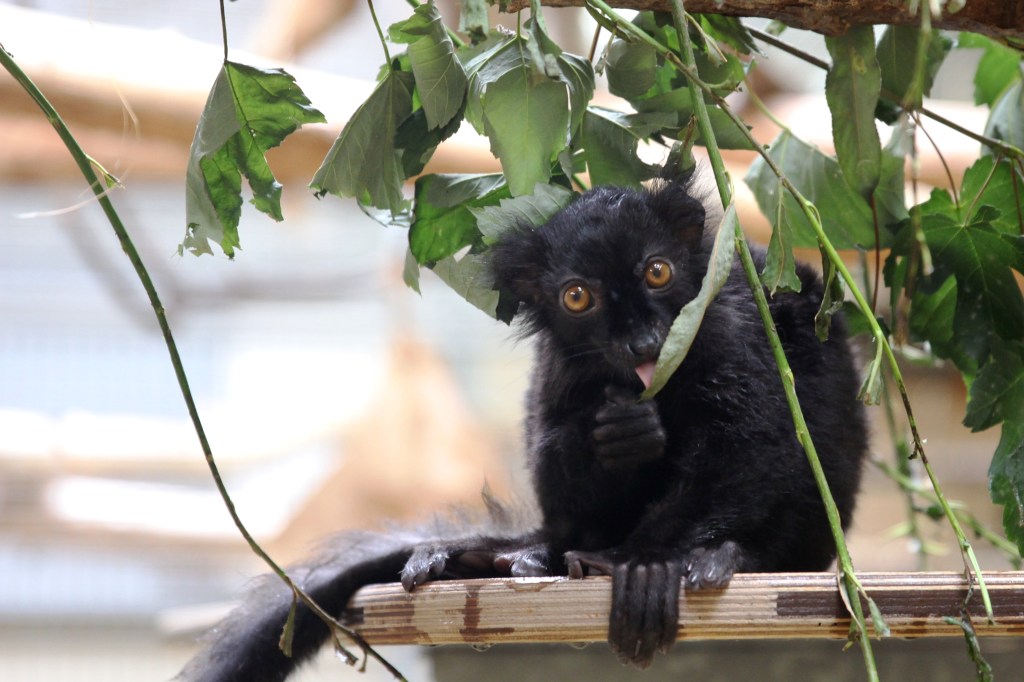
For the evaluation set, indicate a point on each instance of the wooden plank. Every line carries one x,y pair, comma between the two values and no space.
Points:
754,606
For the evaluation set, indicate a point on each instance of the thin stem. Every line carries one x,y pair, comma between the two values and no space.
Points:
756,100
380,33
224,29
593,44
942,159
878,255
902,469
85,166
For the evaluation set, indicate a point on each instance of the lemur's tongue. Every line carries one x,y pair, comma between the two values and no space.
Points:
645,371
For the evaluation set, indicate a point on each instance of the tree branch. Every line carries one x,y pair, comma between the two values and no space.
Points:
996,18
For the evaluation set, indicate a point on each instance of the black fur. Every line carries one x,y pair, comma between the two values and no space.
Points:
706,480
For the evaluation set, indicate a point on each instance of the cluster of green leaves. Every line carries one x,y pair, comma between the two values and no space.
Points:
954,257
951,258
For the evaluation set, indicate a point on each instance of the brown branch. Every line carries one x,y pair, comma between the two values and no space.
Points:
753,606
997,18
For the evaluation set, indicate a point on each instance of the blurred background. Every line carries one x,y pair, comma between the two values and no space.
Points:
334,397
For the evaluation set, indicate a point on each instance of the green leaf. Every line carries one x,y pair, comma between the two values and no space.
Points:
610,140
931,319
473,19
248,112
521,108
845,216
870,392
878,623
530,209
684,328
416,142
526,118
1006,121
857,322
486,64
443,222
989,302
890,195
440,79
576,72
998,184
997,394
897,57
680,103
779,273
630,68
729,30
578,76
832,300
998,68
363,160
1006,480
851,89
470,278
411,271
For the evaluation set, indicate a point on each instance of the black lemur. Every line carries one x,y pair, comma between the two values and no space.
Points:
705,480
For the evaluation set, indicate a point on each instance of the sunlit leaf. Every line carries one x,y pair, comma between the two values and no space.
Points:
248,112
363,160
684,328
851,89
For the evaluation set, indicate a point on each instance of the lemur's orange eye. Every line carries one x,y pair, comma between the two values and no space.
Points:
658,274
576,298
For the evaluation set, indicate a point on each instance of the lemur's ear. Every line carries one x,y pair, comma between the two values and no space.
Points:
517,261
671,198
